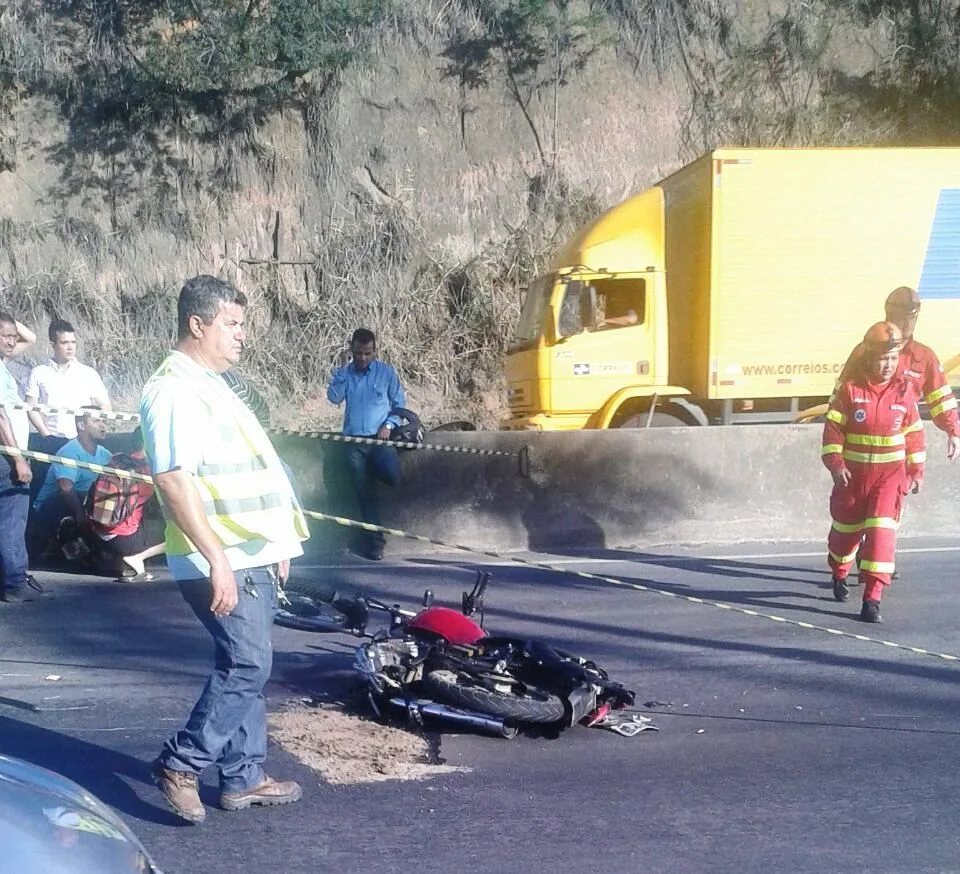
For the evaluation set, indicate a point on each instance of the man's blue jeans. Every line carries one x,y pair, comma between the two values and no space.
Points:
14,507
367,465
228,725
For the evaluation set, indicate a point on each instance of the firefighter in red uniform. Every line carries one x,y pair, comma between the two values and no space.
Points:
873,446
919,365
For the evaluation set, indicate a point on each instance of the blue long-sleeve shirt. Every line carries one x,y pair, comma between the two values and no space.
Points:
370,397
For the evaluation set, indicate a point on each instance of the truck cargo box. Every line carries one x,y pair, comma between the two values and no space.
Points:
778,260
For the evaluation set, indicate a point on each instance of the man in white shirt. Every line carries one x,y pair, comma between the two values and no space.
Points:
65,383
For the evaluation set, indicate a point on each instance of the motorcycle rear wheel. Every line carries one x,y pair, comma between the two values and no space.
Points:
460,691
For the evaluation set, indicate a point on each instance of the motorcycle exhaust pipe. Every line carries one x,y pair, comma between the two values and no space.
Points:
489,724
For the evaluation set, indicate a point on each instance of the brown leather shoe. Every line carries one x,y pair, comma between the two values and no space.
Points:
268,792
180,790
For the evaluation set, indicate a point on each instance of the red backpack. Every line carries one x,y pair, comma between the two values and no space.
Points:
112,499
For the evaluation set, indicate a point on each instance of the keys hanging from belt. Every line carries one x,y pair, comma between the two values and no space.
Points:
273,572
249,586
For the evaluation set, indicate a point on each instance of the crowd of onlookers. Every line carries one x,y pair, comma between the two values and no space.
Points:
55,513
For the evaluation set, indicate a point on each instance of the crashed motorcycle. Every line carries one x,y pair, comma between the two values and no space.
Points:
440,663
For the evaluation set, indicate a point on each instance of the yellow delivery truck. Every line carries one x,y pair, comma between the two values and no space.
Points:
734,290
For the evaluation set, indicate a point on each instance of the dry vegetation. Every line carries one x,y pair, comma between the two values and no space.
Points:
417,169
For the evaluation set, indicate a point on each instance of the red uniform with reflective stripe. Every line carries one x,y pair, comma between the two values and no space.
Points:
874,430
921,368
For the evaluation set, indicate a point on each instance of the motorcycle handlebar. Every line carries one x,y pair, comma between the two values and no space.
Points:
472,602
395,610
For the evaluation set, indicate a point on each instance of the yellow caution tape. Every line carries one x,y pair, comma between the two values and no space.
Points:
397,444
71,462
613,581
93,413
111,416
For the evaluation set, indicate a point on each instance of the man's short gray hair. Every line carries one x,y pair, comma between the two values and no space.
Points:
201,297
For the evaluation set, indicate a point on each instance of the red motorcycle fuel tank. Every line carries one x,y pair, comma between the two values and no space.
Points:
449,624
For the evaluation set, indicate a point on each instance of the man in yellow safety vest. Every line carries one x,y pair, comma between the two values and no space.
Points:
232,525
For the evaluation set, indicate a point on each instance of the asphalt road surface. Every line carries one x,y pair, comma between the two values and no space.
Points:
781,749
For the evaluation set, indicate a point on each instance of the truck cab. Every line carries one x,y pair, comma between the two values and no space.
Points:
590,349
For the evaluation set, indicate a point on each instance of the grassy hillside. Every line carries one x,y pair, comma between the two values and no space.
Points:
406,166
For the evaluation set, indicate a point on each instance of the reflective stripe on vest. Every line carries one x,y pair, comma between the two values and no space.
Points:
257,463
949,404
943,392
236,506
874,457
876,439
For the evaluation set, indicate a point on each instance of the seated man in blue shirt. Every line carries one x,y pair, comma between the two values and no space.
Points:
64,490
371,389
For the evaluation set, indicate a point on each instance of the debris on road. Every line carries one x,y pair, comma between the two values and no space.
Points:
346,748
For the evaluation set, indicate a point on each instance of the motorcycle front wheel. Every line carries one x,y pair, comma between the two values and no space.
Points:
306,613
461,691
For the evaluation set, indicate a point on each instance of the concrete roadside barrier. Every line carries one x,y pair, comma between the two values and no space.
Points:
609,489
603,489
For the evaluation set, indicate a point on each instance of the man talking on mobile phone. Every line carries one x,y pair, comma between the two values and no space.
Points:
370,390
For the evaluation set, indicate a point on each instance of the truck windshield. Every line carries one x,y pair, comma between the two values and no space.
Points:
571,319
530,325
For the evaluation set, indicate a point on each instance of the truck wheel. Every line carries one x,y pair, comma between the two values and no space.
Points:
659,420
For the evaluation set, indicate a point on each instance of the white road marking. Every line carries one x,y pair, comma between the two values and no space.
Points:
758,555
641,558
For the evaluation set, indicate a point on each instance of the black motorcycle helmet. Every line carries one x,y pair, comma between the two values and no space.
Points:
410,430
